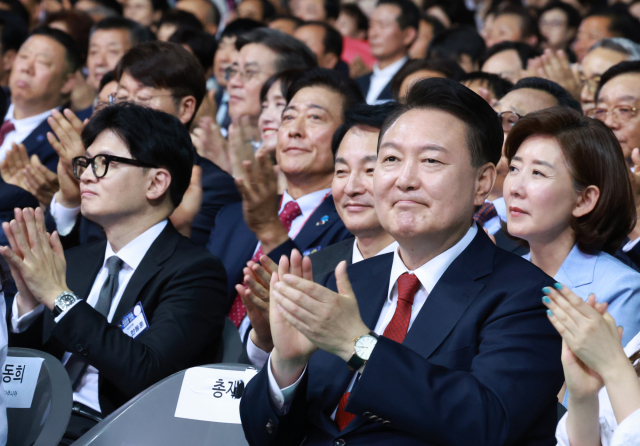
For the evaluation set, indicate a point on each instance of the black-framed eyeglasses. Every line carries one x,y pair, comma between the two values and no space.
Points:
508,119
100,164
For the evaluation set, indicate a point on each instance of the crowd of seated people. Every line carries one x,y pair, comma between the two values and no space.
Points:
421,216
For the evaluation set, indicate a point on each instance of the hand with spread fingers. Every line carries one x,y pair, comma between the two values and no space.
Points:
593,357
12,167
255,298
330,320
259,189
555,66
210,144
38,258
241,137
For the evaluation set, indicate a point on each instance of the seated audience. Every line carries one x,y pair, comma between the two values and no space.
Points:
462,45
110,39
509,60
99,9
511,24
414,70
258,10
568,196
145,12
14,33
205,11
325,42
602,56
558,23
316,10
352,22
304,217
286,24
136,169
172,19
429,27
605,23
200,44
480,343
393,27
601,376
77,24
490,86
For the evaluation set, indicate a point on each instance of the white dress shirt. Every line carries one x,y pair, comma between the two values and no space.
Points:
308,205
24,127
258,357
626,433
380,78
131,255
494,225
65,218
428,275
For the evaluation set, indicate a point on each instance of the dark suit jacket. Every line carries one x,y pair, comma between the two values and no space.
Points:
36,144
630,258
508,244
326,260
364,82
182,290
479,366
234,243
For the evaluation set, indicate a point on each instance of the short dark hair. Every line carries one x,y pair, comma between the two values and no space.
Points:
71,50
436,25
525,52
449,68
240,26
573,15
498,85
202,44
484,130
286,78
456,11
622,23
331,79
165,65
137,32
152,137
617,70
109,8
365,115
594,157
332,40
159,5
354,11
18,8
563,97
331,9
291,52
14,31
409,13
180,19
296,21
452,43
107,78
78,23
528,23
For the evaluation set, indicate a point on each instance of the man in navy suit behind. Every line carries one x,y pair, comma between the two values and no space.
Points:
305,216
443,342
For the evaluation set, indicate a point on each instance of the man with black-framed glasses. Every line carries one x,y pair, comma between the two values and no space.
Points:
130,310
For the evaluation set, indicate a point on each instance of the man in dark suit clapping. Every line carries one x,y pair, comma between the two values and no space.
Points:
125,312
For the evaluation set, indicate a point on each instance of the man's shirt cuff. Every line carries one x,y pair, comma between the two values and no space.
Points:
256,355
65,218
282,397
21,323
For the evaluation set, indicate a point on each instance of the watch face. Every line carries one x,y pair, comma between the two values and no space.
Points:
364,346
65,300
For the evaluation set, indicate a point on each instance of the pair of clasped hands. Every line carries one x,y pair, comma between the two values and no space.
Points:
293,317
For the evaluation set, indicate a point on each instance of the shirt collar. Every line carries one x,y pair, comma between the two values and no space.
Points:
308,203
429,273
391,69
501,208
357,255
134,251
26,122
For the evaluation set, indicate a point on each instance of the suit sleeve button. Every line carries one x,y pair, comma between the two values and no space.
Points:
386,423
339,442
79,348
367,414
374,418
270,426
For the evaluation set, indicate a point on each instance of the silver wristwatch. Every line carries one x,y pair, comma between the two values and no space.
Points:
63,302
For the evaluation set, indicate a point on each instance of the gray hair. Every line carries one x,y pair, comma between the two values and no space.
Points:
619,45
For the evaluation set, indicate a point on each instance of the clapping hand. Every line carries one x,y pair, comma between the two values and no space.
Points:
210,144
555,66
35,257
183,216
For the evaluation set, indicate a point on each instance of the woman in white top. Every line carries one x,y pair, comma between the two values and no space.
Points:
604,390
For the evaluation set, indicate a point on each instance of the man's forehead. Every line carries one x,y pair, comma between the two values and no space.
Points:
256,53
625,87
109,37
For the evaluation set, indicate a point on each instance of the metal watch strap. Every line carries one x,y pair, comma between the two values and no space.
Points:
356,361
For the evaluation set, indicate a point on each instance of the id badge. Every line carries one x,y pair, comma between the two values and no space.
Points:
134,322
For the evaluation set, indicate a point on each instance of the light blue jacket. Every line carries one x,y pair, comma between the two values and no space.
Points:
610,280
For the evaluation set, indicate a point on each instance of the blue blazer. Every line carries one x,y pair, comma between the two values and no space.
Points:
479,366
233,242
610,280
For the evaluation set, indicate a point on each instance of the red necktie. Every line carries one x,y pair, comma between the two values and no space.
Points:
7,127
290,212
486,213
396,330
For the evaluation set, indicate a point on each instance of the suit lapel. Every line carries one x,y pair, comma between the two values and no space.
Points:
313,228
150,265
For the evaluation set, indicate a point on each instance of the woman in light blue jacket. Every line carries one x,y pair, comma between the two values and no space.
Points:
569,196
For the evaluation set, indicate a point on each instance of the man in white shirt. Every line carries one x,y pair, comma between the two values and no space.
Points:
446,340
305,217
393,27
125,312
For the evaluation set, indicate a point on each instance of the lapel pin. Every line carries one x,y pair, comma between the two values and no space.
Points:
323,220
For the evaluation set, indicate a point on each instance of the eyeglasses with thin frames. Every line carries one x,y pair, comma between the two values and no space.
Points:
100,164
620,113
245,75
508,119
115,99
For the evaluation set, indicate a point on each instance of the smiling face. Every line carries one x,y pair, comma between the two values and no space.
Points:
539,192
352,186
271,116
304,137
424,184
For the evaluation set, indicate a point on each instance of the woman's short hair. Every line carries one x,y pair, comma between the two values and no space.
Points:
286,78
594,158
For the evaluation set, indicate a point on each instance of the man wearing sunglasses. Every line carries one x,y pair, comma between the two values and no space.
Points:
128,311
